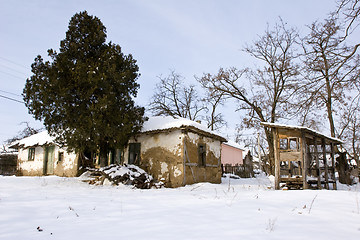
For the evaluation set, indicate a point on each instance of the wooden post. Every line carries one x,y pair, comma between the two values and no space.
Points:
277,158
184,161
333,166
325,164
305,161
317,163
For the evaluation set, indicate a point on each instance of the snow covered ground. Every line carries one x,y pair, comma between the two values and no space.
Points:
67,208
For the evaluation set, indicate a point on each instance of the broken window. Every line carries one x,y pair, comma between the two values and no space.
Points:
202,155
31,154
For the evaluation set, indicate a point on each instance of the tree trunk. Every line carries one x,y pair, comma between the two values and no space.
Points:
270,140
343,169
329,107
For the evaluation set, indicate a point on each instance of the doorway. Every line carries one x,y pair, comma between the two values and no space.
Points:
49,160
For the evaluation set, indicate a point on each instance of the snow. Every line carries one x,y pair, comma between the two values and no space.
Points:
167,122
153,124
40,138
300,128
67,208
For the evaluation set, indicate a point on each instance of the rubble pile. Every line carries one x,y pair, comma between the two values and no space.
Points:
117,174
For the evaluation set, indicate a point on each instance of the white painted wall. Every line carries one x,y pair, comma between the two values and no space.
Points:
36,166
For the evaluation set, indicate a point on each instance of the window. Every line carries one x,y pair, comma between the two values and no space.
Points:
293,144
31,154
134,153
60,157
202,155
289,144
283,143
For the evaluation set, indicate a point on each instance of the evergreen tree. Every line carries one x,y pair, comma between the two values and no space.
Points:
84,94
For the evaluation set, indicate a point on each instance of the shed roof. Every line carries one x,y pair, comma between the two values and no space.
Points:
166,123
37,139
304,129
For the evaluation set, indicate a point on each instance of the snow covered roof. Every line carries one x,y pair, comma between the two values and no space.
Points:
38,139
152,125
305,129
162,123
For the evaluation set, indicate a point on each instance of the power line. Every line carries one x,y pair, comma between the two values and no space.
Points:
13,75
15,94
12,99
12,69
8,60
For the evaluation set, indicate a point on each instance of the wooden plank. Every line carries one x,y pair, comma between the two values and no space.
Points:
325,163
290,155
191,164
212,165
184,161
317,163
284,133
333,166
304,159
299,179
188,159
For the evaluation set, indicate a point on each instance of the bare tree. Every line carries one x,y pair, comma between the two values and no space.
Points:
26,132
331,68
350,10
265,91
215,120
349,128
173,98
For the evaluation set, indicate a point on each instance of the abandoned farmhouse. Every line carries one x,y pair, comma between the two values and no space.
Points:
178,152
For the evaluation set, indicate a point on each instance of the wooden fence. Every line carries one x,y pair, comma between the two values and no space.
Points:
8,164
244,171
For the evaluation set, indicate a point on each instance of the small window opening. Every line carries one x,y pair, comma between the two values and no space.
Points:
31,154
293,144
289,144
283,143
61,157
202,155
134,153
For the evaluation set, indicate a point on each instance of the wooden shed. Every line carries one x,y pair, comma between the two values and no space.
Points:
304,158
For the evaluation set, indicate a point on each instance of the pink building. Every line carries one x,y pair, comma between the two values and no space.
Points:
231,153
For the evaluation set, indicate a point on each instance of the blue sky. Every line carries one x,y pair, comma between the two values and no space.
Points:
188,36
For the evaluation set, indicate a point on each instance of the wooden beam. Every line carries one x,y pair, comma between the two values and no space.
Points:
325,163
318,170
305,160
188,159
184,161
333,165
